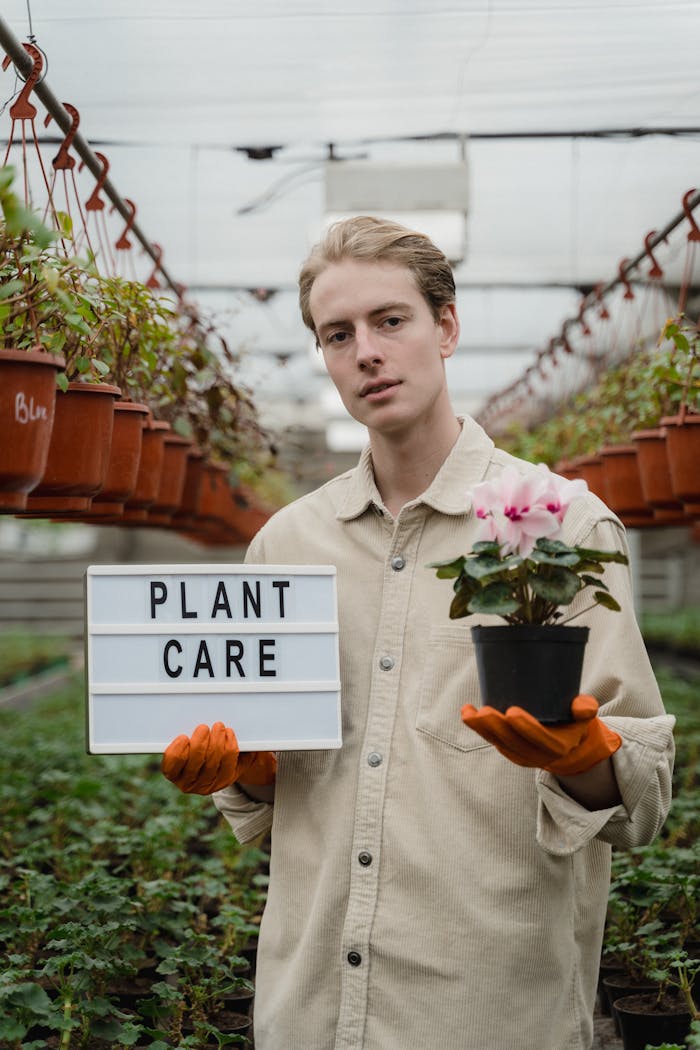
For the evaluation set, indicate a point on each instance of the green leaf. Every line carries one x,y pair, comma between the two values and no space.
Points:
552,546
30,997
447,570
62,381
590,566
65,223
12,1029
10,287
564,559
7,175
496,600
606,600
560,586
487,547
590,581
482,566
459,605
597,556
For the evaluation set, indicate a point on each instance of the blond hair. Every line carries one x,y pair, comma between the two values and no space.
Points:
367,238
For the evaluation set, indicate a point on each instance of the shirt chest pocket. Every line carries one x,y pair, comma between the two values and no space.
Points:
448,681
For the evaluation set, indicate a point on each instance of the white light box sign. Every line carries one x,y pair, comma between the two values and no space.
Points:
172,646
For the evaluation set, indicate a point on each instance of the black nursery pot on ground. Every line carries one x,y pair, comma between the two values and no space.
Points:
646,1021
533,666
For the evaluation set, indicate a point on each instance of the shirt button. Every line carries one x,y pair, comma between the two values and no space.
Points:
374,758
364,858
398,563
354,958
386,663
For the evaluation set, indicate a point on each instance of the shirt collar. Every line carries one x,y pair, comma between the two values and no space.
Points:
465,465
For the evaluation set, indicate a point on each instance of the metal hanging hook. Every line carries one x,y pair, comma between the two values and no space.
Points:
63,160
123,243
603,312
629,294
22,108
552,351
656,272
694,234
565,344
582,320
94,201
153,281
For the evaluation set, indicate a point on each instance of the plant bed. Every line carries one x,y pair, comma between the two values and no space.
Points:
24,655
100,886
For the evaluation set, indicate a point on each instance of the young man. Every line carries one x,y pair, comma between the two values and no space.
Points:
425,890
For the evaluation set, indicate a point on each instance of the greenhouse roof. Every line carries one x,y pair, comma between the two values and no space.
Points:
578,126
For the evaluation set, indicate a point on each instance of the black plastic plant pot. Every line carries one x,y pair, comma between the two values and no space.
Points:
644,1022
533,666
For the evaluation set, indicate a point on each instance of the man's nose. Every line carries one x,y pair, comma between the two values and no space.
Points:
367,347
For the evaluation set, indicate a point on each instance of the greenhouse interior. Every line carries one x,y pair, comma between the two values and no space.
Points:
166,173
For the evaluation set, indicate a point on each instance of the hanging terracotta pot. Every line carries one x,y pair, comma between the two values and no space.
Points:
623,486
79,450
210,523
247,516
683,447
172,480
184,515
27,404
568,468
655,476
213,495
590,468
124,459
150,468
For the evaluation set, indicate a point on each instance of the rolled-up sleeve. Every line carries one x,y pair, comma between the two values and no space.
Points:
643,769
247,818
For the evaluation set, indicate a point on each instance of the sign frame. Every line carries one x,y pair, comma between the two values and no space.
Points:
311,697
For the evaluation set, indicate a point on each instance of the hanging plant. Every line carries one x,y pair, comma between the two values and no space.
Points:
137,332
48,301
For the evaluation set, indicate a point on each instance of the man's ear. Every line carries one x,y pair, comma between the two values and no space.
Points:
449,329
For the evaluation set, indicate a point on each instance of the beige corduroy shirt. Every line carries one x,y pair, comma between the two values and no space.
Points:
424,891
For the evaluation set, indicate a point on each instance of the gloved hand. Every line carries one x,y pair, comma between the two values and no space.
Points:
210,760
564,750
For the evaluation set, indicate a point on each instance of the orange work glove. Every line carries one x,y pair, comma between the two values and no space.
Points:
210,760
564,750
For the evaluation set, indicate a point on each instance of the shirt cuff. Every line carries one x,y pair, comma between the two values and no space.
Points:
247,818
643,768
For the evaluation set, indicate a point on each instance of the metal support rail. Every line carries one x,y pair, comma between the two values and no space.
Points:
23,65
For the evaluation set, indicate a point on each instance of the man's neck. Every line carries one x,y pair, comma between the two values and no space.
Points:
405,465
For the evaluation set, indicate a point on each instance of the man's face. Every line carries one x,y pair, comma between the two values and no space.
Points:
382,346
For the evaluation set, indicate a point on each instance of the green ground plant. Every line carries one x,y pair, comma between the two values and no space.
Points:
23,654
108,875
653,923
679,629
105,871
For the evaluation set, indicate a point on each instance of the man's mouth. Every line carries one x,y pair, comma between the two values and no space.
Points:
377,388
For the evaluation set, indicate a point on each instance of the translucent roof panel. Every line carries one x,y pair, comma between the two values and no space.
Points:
579,123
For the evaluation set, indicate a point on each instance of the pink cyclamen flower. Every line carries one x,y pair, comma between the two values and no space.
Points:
517,509
560,493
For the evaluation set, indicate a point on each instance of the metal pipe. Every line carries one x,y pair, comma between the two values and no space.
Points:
23,65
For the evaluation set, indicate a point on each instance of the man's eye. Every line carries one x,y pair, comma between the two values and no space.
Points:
337,337
393,322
